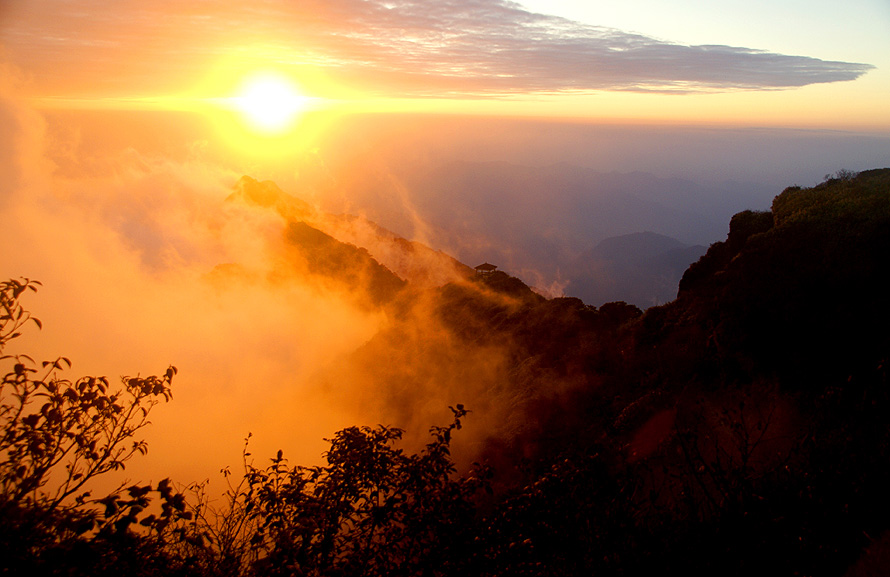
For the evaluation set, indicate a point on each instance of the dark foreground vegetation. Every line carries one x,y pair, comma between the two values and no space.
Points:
743,428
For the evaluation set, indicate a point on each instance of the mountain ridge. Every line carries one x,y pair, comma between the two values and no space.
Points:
409,260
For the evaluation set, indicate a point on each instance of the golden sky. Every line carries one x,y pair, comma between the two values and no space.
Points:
467,56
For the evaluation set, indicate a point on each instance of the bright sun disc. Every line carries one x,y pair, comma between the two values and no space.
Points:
270,103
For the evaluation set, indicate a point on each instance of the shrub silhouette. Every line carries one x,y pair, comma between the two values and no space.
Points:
371,510
56,436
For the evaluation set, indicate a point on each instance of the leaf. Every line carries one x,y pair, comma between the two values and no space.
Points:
148,521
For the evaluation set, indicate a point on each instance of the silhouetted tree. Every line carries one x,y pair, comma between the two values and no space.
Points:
57,435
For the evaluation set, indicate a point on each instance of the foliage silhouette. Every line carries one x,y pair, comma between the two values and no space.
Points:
371,510
57,436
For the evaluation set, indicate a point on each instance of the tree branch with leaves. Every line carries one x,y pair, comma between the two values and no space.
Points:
58,434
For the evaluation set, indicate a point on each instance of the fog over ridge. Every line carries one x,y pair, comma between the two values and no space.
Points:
135,245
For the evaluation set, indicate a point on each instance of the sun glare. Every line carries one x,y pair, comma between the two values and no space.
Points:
270,103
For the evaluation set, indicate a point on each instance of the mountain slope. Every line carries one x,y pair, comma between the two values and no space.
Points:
805,281
409,260
739,429
351,267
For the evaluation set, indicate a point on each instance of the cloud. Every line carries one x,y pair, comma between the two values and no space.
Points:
390,47
20,138
497,47
129,255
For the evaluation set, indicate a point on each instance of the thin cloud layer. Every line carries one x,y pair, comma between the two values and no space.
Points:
388,47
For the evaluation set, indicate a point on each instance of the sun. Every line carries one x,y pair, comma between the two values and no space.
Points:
270,102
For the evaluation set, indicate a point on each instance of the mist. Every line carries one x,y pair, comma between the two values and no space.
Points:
129,252
146,260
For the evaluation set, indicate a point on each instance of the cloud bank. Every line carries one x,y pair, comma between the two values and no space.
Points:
135,257
412,48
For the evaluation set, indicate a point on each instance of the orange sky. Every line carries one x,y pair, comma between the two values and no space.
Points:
463,56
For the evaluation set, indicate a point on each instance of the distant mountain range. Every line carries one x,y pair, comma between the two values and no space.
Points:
642,268
537,221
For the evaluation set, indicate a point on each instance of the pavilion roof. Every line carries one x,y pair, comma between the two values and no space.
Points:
486,267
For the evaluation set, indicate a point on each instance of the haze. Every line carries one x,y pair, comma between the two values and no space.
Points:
479,128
